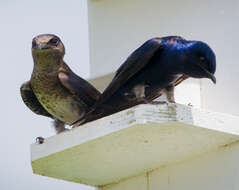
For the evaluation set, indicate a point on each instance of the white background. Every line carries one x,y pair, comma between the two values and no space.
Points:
20,21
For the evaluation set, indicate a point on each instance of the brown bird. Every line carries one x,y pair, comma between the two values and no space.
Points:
54,90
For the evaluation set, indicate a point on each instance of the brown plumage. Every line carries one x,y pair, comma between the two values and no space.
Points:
54,90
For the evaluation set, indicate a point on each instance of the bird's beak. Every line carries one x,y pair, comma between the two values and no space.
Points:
212,77
209,75
40,46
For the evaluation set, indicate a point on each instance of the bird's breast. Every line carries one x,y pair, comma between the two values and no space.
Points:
57,100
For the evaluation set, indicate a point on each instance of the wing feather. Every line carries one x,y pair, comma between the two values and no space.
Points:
79,87
134,63
31,100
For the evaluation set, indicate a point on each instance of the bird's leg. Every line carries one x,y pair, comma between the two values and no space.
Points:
139,92
59,126
158,102
169,91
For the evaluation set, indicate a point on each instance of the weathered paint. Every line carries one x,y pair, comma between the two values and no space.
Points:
214,170
132,142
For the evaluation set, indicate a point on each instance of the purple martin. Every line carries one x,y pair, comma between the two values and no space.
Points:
154,68
54,90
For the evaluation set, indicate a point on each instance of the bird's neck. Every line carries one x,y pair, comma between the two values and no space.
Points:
173,61
47,63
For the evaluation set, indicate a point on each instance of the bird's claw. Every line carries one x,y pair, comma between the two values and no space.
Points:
158,102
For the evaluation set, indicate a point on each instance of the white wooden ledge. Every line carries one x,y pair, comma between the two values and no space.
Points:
132,142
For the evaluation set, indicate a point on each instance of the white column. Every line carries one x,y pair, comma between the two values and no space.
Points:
216,170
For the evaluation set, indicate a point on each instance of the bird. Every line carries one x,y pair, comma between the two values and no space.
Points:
153,69
54,90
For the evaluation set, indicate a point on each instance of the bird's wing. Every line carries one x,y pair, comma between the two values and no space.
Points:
134,63
180,79
78,87
31,100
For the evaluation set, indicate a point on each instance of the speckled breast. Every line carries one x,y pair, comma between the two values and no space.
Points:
57,100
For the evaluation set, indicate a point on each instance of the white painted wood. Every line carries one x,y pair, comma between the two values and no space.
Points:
134,183
189,93
215,170
132,142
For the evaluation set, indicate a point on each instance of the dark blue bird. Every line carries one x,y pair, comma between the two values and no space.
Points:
152,69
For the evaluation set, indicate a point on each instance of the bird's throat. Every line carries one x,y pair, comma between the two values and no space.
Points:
46,62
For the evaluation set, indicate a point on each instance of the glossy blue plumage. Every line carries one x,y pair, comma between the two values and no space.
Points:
159,64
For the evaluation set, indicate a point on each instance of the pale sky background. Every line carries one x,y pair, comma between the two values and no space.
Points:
20,22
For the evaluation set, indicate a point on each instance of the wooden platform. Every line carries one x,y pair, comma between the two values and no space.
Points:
132,142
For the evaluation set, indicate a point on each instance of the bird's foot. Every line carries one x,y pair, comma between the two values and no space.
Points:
158,102
40,140
59,126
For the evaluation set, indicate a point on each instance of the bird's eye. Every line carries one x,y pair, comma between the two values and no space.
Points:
203,62
34,43
54,41
202,58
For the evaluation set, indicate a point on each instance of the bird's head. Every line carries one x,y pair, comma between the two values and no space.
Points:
200,61
48,44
